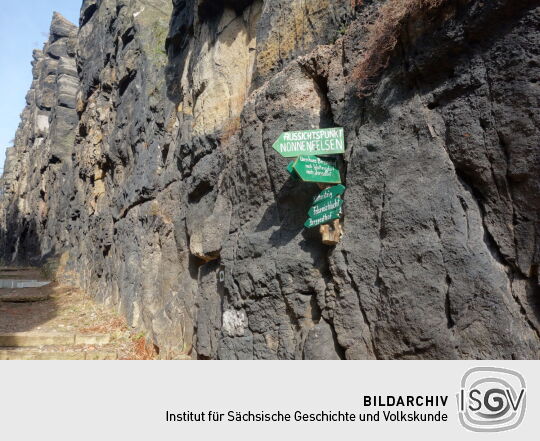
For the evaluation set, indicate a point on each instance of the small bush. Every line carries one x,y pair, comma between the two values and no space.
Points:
383,36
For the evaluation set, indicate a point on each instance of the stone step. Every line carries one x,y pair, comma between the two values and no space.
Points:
27,339
18,297
34,354
22,283
10,269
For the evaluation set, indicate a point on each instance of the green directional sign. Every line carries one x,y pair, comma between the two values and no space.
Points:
323,219
311,142
290,168
292,172
329,193
325,206
314,169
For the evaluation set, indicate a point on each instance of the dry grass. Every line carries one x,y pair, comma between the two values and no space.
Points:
383,36
141,349
135,346
114,324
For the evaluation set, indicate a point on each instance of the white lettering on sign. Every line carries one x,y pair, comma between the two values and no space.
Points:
324,208
311,135
311,142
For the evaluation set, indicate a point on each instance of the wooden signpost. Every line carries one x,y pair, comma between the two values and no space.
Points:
305,145
311,142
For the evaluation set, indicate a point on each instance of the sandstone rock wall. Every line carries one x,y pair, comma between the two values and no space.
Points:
175,208
38,171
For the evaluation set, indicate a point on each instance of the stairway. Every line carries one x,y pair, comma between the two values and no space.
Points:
36,345
40,320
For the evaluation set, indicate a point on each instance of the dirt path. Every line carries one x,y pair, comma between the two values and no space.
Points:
64,323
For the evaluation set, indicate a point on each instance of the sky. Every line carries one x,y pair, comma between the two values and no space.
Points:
24,26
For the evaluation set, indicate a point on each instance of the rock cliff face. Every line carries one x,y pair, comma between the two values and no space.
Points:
38,171
144,164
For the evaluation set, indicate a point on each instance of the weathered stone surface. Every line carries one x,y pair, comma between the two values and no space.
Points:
28,354
170,202
14,296
60,27
321,344
20,354
36,338
210,77
24,339
38,171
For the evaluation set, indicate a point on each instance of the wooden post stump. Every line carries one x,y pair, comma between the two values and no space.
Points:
331,233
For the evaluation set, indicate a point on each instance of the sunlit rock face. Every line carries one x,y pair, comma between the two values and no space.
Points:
144,164
216,75
38,173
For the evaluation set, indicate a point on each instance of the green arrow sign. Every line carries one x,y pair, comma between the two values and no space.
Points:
323,219
329,193
311,142
290,169
325,207
313,169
